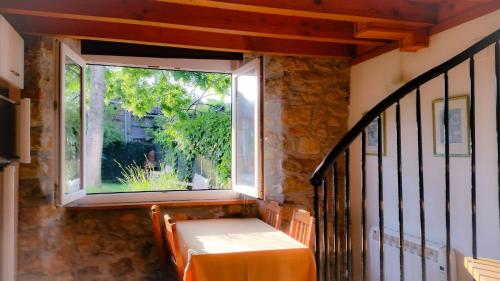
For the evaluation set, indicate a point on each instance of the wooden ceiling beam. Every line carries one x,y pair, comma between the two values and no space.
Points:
364,54
160,36
386,11
453,14
428,1
189,17
411,39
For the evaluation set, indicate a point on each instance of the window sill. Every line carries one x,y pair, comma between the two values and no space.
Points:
142,205
163,199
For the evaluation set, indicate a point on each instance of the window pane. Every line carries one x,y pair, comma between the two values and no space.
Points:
156,130
246,99
72,126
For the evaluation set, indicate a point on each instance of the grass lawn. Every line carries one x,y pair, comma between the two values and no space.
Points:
107,187
110,187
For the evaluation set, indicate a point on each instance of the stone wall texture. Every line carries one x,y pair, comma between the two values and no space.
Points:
56,244
305,115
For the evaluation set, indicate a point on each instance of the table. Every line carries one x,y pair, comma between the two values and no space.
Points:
242,250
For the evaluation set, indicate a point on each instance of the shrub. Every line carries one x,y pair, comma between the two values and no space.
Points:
136,178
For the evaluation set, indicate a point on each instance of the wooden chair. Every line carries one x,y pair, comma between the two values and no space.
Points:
159,236
302,227
272,214
173,243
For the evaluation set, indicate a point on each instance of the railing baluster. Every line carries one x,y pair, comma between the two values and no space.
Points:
380,197
421,185
364,241
316,230
400,193
335,224
347,215
497,74
447,174
325,230
472,118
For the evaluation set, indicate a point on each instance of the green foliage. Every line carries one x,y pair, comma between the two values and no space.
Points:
112,134
206,134
137,178
72,94
217,82
72,88
141,90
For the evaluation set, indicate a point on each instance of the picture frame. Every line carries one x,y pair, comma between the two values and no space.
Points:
372,137
459,126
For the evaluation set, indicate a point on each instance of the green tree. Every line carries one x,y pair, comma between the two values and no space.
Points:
95,125
176,93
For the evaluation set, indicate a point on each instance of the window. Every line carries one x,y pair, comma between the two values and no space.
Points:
131,134
71,144
247,133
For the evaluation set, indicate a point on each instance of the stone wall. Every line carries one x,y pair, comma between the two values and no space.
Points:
56,244
305,114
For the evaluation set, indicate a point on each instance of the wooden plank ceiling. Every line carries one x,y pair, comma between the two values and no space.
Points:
356,29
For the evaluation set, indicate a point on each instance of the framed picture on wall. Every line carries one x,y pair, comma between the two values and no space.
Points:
458,126
372,138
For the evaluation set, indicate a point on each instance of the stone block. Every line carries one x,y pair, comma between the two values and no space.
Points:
121,267
309,146
296,115
41,139
38,168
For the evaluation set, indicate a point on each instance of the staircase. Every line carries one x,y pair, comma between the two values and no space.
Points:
337,258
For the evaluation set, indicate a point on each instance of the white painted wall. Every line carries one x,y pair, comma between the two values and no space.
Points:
373,80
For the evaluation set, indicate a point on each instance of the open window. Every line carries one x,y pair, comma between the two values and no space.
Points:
71,134
247,129
129,133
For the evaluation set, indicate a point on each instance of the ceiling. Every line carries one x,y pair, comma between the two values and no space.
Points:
357,29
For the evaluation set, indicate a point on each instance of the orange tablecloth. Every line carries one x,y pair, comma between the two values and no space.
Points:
242,250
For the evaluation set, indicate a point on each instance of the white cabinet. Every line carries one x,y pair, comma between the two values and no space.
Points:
11,55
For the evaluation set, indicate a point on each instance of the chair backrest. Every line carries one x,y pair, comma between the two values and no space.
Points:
302,227
272,214
159,235
173,244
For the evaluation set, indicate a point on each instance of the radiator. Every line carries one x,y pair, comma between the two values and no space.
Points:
435,258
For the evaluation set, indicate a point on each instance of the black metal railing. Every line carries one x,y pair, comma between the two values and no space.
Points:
334,254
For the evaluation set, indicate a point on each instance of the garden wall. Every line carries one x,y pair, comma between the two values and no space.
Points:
126,154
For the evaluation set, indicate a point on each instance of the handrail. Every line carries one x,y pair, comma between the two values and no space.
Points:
356,130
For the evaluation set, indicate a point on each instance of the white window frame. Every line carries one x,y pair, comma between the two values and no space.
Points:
81,198
256,190
63,198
